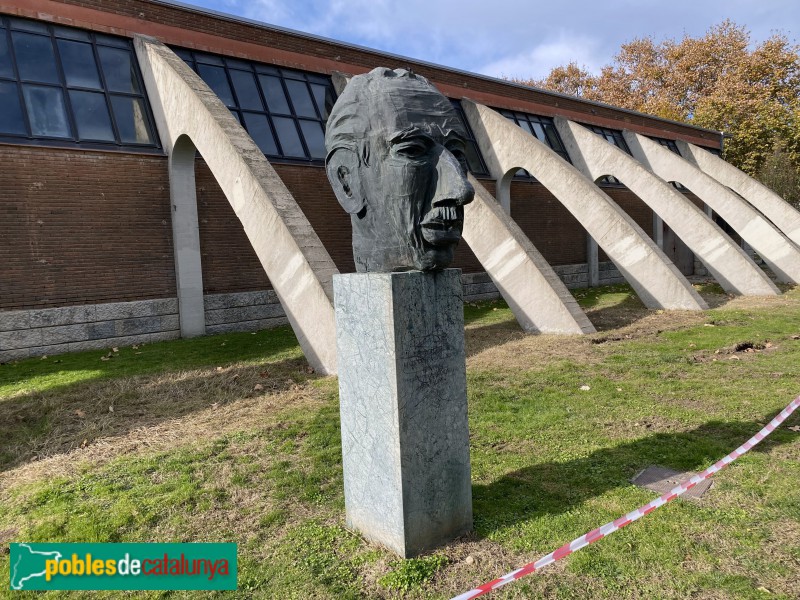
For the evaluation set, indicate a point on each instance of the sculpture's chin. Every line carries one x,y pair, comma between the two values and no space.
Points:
441,236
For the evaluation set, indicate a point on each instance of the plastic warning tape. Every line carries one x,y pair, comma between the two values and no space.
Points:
609,528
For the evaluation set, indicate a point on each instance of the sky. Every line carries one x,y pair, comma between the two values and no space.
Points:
513,38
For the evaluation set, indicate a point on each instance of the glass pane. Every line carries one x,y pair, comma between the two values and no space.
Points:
315,138
320,79
258,128
35,58
266,69
6,70
525,125
290,74
72,34
552,137
208,59
184,54
538,131
233,63
80,69
473,160
273,92
236,115
131,120
110,40
287,134
10,109
247,93
26,25
217,80
91,116
301,99
323,98
118,69
46,111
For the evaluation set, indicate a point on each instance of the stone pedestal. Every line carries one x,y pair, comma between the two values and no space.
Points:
403,397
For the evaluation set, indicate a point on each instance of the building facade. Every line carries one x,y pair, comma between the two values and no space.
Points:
88,253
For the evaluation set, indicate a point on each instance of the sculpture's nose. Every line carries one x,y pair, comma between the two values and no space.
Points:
452,187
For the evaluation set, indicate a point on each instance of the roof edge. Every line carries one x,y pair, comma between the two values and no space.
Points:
390,55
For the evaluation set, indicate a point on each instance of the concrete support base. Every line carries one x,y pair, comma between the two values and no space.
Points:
403,397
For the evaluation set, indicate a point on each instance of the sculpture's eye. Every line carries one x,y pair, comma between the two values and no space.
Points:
457,150
412,149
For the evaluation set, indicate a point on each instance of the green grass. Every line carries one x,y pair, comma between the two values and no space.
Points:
53,372
550,461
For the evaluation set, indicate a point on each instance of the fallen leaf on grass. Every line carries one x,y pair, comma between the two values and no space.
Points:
795,428
585,388
80,413
258,387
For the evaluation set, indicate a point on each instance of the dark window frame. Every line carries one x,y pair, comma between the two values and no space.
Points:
547,124
672,147
613,137
668,144
482,170
53,33
258,70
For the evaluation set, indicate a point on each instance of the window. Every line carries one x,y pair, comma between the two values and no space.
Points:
474,158
543,129
672,147
283,110
614,137
668,144
68,86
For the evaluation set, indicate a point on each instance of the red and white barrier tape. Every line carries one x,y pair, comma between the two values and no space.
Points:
613,526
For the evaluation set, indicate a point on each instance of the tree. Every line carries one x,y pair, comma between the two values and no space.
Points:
780,175
715,81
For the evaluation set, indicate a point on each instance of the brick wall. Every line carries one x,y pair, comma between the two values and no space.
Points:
548,224
83,227
229,263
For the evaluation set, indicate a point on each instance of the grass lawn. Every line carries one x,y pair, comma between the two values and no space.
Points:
233,438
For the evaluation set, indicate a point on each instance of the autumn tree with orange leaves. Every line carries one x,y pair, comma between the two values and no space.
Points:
716,81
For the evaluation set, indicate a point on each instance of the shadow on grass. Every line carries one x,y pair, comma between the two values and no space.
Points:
42,424
63,371
478,339
554,488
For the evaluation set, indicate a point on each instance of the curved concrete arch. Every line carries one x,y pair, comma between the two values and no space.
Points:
733,269
535,293
776,209
655,279
780,253
292,255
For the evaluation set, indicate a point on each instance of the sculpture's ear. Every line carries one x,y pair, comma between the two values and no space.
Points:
342,168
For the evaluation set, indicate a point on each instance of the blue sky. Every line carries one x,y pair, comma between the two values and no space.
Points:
513,38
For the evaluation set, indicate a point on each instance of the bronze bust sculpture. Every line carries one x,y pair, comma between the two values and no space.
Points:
396,162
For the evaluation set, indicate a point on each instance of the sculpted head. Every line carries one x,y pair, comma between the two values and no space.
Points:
396,162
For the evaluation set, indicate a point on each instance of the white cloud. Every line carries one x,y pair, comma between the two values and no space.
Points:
537,62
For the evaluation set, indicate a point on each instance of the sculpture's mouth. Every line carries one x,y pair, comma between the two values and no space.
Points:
442,225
